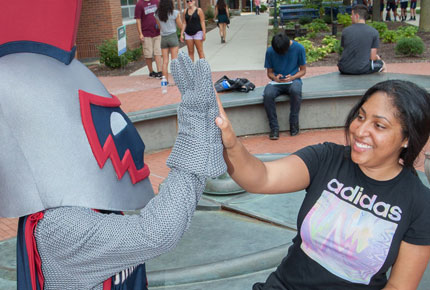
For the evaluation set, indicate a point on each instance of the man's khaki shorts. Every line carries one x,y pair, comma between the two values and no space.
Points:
151,46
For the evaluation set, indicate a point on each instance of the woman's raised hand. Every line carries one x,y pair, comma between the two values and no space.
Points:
228,136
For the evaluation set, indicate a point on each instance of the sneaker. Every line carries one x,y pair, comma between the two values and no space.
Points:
159,75
153,74
274,134
294,129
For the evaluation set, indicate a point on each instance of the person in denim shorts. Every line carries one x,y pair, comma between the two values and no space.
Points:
413,11
168,19
193,29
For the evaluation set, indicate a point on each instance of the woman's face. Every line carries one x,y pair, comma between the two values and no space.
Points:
376,138
190,3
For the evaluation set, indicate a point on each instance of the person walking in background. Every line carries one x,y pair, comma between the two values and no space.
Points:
168,19
221,12
193,29
285,63
257,7
149,34
403,8
360,44
413,11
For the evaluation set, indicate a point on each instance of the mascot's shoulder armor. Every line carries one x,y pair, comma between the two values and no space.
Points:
65,140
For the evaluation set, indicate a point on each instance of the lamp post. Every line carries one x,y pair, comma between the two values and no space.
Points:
275,17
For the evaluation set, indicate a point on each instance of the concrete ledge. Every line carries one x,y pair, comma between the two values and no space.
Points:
327,100
220,270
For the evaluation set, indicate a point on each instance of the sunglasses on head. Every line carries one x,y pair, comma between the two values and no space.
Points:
188,1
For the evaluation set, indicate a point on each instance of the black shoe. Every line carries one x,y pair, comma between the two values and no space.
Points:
153,74
159,75
274,134
294,129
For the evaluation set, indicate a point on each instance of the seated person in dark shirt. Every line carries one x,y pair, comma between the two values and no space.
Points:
360,43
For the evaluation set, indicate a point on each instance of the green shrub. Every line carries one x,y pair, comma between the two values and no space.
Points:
407,31
263,8
290,25
109,54
312,34
272,11
338,48
331,43
312,53
134,54
410,46
305,20
389,36
327,19
209,14
380,26
344,19
317,25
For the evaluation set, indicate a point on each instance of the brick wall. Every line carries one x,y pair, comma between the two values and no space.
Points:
99,21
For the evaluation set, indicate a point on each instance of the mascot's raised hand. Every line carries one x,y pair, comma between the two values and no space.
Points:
198,138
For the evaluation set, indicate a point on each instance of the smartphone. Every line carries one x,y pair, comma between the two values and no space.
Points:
282,77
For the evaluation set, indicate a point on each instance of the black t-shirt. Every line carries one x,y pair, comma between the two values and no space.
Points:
357,41
350,226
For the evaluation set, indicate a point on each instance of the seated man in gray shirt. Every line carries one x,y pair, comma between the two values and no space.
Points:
360,43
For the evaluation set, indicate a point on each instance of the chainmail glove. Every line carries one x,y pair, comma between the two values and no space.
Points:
198,148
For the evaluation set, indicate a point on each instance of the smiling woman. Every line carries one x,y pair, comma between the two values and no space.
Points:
365,209
396,116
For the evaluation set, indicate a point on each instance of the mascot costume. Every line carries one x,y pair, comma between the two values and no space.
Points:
71,160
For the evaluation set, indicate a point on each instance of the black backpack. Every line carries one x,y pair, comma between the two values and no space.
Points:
238,84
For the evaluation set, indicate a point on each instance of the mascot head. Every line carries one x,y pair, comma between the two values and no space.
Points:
64,139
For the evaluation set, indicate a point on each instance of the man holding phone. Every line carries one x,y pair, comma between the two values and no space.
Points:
285,63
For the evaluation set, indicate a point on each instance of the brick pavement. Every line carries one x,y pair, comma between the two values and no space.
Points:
141,92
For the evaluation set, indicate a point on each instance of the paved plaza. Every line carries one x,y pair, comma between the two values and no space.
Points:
234,240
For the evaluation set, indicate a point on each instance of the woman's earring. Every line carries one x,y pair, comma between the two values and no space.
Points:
405,146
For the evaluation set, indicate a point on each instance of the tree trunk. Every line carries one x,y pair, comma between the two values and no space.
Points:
425,16
346,2
376,15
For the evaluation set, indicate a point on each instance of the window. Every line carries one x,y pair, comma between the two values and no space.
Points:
127,9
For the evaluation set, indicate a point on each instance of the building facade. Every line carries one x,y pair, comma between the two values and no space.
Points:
100,20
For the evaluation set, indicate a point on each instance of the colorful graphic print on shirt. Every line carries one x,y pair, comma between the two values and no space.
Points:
150,9
349,232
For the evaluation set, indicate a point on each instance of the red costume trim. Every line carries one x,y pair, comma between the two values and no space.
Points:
34,261
109,149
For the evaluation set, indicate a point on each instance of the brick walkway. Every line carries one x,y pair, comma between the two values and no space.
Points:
141,92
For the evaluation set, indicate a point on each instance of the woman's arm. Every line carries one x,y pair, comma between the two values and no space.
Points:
288,174
158,23
184,25
227,10
179,21
202,22
409,267
216,12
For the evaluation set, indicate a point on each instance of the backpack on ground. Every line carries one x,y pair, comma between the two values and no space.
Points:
238,84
